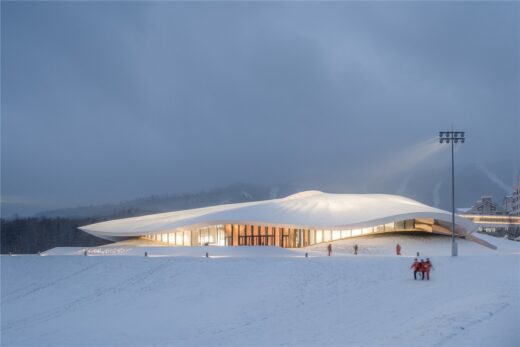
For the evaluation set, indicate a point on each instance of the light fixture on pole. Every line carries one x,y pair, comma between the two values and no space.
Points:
452,137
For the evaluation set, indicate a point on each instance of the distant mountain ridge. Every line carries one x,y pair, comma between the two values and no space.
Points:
235,193
432,187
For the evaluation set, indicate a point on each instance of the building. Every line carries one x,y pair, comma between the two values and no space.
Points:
492,220
496,225
298,220
486,206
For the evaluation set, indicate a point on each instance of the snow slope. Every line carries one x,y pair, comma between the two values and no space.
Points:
283,299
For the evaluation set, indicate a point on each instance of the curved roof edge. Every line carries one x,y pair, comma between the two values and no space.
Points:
310,209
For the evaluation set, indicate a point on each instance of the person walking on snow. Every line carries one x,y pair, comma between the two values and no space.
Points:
329,249
416,267
423,268
398,249
355,249
427,266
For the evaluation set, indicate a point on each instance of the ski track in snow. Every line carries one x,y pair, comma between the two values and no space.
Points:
137,279
269,301
19,293
444,324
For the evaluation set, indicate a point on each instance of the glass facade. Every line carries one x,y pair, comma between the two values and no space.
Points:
262,235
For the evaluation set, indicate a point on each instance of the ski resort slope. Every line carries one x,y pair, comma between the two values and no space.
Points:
289,300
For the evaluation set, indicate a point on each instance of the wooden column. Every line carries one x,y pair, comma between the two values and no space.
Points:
235,229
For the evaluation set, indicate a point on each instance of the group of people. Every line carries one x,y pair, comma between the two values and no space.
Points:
422,267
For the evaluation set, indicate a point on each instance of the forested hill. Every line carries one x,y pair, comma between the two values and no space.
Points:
32,235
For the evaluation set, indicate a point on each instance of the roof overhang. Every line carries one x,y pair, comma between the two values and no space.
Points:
312,210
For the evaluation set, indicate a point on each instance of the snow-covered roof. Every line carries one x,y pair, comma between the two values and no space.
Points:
310,209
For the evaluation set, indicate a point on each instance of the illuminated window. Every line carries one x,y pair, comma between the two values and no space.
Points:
319,236
327,235
179,238
312,237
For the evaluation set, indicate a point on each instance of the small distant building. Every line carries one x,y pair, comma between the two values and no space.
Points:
493,220
486,206
496,225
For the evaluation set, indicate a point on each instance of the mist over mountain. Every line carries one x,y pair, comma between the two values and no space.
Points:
431,186
172,202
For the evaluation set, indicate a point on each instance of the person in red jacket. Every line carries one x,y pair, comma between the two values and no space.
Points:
422,268
329,249
398,249
416,267
426,267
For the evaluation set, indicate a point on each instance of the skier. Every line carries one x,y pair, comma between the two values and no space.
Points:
355,249
329,249
398,249
416,266
427,266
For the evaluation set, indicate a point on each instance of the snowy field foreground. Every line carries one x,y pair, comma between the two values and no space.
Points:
283,299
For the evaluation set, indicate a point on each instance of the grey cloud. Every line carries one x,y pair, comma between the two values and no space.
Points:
108,101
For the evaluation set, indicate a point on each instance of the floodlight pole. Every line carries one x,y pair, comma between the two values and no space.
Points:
452,137
453,243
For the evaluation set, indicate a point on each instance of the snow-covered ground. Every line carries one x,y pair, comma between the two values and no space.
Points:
265,296
426,244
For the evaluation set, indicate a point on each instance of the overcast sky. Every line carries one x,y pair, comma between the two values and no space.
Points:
108,101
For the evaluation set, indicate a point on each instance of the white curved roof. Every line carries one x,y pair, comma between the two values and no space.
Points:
310,209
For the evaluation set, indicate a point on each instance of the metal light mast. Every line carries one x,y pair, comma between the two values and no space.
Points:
452,137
